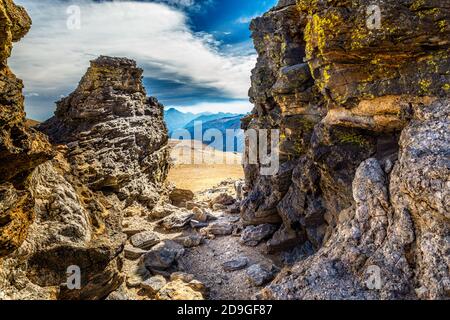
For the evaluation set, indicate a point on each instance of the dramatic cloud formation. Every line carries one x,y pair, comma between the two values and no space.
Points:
53,57
191,5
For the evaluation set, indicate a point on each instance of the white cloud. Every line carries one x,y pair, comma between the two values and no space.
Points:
52,58
241,106
248,19
192,5
31,94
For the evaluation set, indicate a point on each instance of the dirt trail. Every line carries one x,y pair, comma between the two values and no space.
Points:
204,261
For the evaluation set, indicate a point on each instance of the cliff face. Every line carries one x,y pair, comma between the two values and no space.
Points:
364,118
62,205
21,148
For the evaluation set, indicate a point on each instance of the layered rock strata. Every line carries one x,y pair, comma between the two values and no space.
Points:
363,117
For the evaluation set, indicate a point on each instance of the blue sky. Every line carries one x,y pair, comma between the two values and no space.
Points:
197,54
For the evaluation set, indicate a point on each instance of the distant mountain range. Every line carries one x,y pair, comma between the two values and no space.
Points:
177,120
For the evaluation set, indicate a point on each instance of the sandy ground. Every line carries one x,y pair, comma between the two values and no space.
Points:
211,168
205,262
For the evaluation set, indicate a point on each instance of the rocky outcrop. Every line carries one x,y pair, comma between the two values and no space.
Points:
21,148
363,119
116,136
62,206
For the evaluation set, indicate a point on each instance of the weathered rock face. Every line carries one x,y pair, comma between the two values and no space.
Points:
363,117
116,136
61,207
21,148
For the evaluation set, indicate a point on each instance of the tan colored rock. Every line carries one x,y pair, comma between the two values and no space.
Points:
179,197
181,276
22,148
200,215
178,290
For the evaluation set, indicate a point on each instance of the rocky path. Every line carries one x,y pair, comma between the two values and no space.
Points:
196,250
207,263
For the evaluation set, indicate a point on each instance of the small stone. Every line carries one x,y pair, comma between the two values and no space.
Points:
259,275
233,209
235,265
223,199
189,241
198,225
179,197
176,221
253,235
219,229
234,219
118,295
132,231
197,286
178,290
200,215
136,276
145,240
218,207
181,276
133,253
162,256
154,284
191,205
162,212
